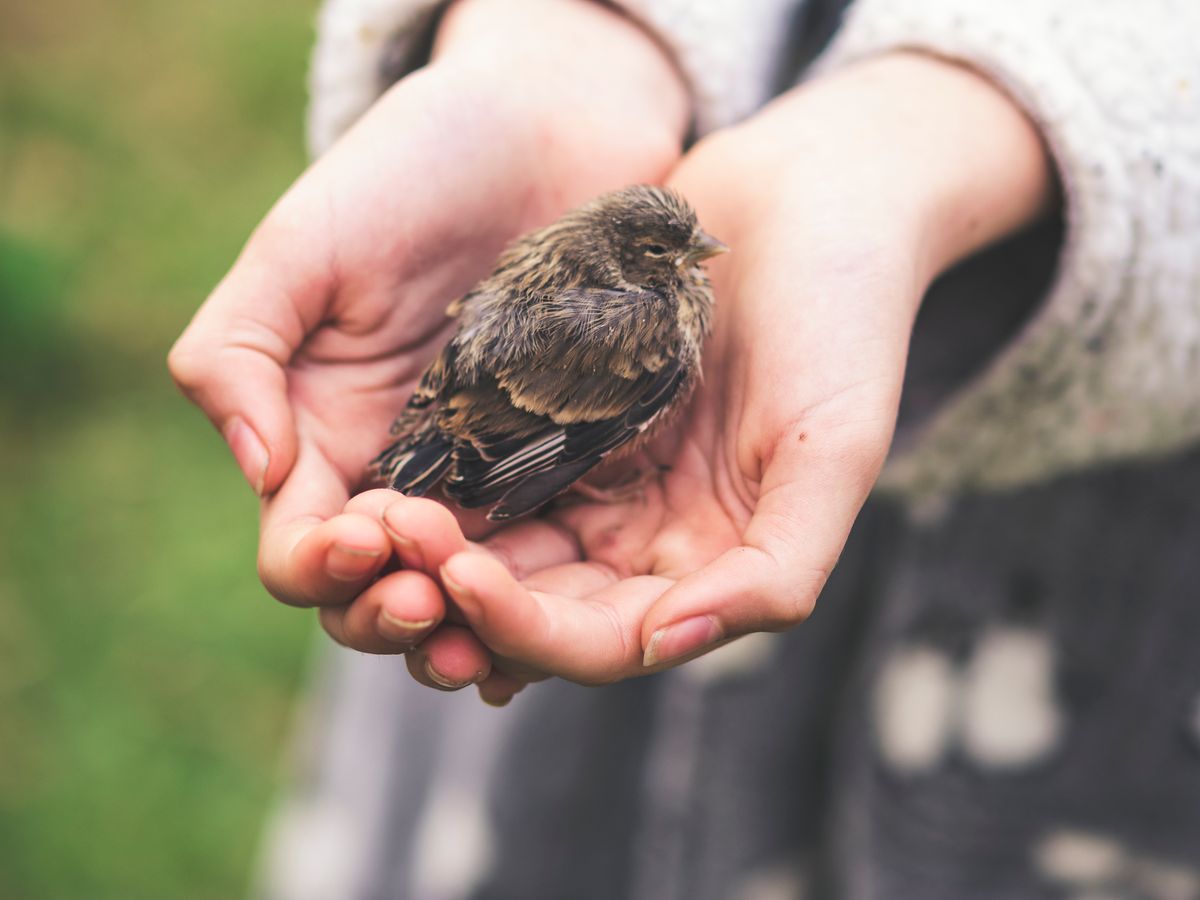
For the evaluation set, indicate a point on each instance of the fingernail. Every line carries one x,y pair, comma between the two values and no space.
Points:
680,639
249,451
407,628
406,548
442,681
350,563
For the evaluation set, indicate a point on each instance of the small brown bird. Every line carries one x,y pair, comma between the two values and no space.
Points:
584,337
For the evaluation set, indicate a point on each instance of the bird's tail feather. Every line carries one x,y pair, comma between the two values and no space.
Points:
532,492
414,469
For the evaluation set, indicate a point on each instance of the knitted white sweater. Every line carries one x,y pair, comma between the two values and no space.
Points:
1109,366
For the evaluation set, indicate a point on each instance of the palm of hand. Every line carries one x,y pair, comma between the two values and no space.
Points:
378,296
756,484
314,341
616,559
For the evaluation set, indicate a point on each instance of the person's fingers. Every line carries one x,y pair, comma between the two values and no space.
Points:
230,360
498,689
391,616
372,502
473,523
589,634
309,555
450,659
572,579
809,501
531,546
314,563
522,548
423,532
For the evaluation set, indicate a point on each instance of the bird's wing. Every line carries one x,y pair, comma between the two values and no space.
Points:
597,373
419,454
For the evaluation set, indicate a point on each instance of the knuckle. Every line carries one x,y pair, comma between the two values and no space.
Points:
798,597
276,585
188,366
624,649
788,593
246,331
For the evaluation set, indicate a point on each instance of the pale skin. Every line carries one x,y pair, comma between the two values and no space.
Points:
842,200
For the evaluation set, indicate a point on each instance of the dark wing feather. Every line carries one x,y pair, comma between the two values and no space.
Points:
522,478
420,455
416,469
537,489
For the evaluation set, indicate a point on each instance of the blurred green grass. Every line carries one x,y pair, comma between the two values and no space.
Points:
146,680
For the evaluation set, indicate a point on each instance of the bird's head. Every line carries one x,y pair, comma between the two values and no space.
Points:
654,235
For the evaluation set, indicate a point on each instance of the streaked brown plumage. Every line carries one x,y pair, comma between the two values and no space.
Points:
587,333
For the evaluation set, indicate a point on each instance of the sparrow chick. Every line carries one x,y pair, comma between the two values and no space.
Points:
587,333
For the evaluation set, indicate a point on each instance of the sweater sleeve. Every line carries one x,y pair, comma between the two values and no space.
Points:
1108,368
730,53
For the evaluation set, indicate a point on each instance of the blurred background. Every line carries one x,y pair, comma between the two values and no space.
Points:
146,680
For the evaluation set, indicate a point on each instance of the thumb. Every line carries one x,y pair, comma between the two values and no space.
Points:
801,520
231,362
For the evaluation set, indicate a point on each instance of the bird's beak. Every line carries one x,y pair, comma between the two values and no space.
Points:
704,246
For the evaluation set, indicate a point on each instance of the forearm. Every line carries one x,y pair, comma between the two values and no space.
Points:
948,155
949,141
1102,368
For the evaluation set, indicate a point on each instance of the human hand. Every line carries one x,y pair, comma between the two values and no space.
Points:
312,343
842,202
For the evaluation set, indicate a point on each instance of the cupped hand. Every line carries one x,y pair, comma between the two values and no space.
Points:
840,208
306,351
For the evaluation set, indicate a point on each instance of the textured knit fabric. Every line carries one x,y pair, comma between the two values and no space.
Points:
355,41
998,697
731,54
1108,366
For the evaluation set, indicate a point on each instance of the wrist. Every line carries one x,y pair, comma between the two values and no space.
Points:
977,168
574,62
910,147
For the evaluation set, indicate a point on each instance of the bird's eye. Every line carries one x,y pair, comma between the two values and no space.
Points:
654,251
